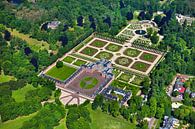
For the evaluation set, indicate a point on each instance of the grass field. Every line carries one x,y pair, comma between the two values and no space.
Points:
68,59
6,78
61,73
16,123
98,43
101,120
33,43
89,51
19,95
88,82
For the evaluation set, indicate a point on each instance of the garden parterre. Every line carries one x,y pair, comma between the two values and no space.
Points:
129,62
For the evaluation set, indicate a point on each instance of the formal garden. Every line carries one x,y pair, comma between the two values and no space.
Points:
128,32
140,41
89,51
98,43
124,61
68,59
104,55
135,26
113,47
148,57
140,66
132,52
79,62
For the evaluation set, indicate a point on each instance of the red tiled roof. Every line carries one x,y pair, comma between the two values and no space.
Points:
182,90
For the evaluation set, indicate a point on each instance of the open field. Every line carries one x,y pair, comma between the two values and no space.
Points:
33,43
107,121
61,73
19,95
16,123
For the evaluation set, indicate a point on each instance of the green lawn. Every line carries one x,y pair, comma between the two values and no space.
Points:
6,78
19,95
79,62
16,123
68,59
61,73
101,120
